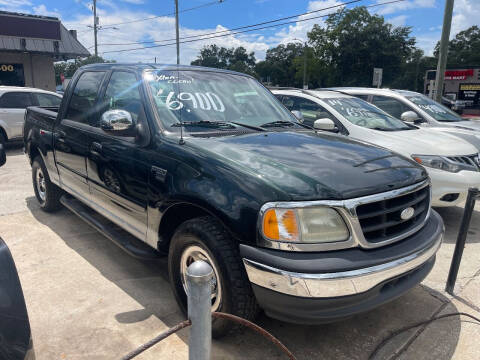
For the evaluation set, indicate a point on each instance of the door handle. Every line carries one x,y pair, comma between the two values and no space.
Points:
60,135
96,148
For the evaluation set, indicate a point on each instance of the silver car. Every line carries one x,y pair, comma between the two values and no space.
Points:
14,101
417,108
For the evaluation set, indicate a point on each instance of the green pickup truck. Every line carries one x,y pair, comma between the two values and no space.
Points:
197,163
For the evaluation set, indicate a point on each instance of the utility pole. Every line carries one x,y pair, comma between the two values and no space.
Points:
305,86
442,56
95,25
177,34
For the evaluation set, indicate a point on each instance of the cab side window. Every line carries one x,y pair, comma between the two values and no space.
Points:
16,100
390,105
310,110
123,93
82,103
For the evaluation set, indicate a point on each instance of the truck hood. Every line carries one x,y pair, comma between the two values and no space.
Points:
307,166
422,142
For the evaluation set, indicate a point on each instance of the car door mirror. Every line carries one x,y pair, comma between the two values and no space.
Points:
116,121
298,115
325,124
3,156
410,116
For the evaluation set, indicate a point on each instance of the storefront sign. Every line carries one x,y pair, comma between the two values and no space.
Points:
458,74
470,93
12,74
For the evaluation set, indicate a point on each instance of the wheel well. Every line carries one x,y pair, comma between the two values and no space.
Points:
173,218
4,133
33,153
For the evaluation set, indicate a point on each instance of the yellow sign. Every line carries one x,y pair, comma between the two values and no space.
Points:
470,87
5,67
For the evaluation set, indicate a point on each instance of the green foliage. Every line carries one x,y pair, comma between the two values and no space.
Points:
68,68
354,42
464,49
236,59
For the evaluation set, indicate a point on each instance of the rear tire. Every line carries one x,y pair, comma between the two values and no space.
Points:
47,193
3,139
206,239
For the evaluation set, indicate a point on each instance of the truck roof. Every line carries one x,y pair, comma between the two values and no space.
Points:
142,67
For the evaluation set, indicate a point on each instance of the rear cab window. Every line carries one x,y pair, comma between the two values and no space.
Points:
81,107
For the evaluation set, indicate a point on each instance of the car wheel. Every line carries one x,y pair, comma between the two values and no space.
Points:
206,239
3,140
47,193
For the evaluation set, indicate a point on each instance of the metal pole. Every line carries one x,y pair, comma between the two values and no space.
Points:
177,32
462,237
442,56
95,25
305,86
199,289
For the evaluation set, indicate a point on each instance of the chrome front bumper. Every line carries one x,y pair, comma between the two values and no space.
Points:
334,284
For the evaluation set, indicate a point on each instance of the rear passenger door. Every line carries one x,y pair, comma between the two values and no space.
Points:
71,139
117,175
12,111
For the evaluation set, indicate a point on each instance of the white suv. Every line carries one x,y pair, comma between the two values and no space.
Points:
14,101
419,109
452,163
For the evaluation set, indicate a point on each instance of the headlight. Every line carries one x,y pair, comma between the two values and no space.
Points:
439,162
304,225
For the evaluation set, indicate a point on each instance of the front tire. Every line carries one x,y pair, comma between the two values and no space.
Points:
47,193
206,239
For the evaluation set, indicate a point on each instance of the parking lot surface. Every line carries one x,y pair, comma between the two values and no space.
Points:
87,299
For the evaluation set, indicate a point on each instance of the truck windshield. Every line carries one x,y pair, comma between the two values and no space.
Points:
434,109
361,113
207,98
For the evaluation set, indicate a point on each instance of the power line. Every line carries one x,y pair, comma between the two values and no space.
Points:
244,31
111,26
237,28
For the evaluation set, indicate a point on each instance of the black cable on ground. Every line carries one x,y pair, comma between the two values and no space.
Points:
257,329
157,339
426,322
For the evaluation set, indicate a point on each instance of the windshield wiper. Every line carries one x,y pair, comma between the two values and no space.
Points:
279,123
253,127
204,123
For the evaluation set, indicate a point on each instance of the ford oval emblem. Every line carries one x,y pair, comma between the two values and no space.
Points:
407,213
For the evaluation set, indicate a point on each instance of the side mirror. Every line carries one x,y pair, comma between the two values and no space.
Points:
298,115
324,124
3,156
116,121
409,116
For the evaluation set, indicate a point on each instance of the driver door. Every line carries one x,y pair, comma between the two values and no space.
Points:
117,176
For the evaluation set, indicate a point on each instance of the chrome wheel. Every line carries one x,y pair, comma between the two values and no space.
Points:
40,184
193,253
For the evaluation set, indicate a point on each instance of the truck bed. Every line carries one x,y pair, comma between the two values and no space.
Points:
40,117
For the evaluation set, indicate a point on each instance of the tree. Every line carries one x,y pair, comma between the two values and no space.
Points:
464,49
236,59
354,42
279,67
68,68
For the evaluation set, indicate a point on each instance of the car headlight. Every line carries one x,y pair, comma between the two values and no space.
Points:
439,162
304,225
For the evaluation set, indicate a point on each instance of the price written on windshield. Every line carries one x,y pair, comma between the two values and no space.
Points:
199,100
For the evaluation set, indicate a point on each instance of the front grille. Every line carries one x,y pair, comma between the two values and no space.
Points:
381,220
470,160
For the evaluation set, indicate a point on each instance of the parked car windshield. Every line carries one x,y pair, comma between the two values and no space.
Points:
434,109
207,97
361,113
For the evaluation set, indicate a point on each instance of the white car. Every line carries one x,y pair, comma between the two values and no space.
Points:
413,107
14,101
452,163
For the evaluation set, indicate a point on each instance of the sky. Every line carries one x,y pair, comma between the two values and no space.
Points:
423,16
